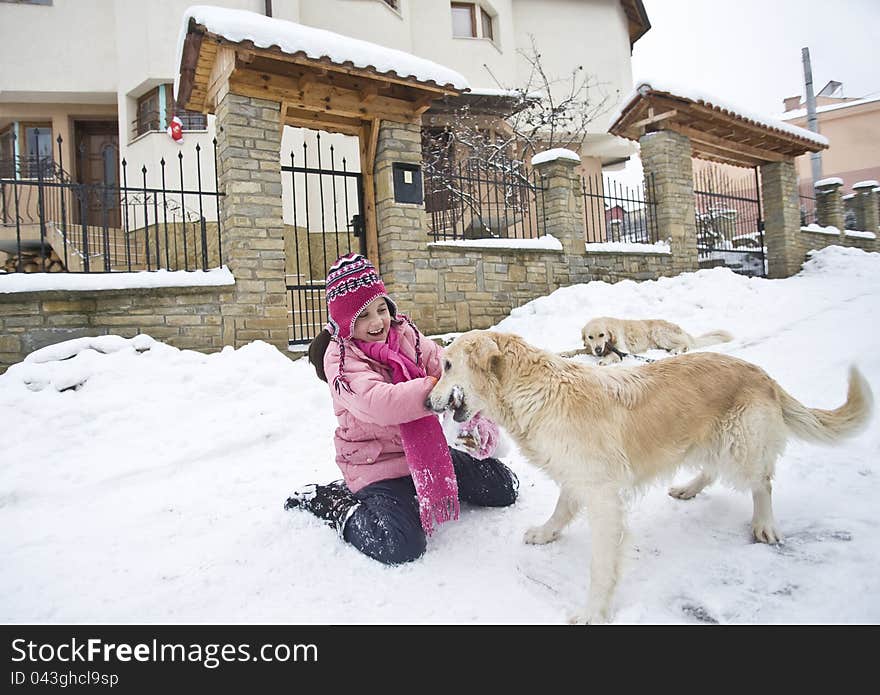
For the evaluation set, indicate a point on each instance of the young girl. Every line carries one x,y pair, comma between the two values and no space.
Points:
400,477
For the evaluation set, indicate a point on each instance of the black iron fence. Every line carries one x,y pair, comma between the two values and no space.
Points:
476,200
326,204
808,210
729,221
618,213
156,220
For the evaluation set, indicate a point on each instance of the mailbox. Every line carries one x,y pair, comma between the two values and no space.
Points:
407,183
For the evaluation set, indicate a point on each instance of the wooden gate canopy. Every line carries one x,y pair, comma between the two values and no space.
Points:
717,132
323,80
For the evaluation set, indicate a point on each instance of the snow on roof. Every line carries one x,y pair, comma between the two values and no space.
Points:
800,113
866,184
831,181
701,97
293,38
39,282
554,154
497,92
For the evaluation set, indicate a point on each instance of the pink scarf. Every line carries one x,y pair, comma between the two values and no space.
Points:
424,444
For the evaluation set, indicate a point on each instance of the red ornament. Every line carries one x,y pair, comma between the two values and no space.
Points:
175,130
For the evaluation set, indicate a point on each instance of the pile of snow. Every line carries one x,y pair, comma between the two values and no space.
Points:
142,483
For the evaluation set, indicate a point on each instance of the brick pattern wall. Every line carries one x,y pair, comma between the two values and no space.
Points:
782,218
817,240
865,207
187,317
248,142
829,206
667,155
612,267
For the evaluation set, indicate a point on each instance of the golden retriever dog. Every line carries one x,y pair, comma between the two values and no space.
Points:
605,336
600,434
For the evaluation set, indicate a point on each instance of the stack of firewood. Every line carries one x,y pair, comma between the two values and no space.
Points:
32,262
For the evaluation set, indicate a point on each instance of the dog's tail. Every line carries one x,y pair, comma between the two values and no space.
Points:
711,338
826,426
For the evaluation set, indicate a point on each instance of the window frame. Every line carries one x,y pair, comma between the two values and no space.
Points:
471,8
484,16
7,158
192,120
480,18
25,164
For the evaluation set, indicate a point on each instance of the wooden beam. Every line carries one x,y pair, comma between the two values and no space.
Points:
218,83
336,101
192,46
298,118
730,146
300,59
654,119
369,136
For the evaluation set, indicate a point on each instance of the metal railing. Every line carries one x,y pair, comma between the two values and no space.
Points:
617,213
52,223
729,222
808,210
475,200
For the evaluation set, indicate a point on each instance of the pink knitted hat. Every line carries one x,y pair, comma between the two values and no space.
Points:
352,284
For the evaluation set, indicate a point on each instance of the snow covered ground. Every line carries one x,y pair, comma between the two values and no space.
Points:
144,484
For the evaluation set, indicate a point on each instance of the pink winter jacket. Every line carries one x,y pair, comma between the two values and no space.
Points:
368,444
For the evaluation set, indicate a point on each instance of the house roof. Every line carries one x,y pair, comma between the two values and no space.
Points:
718,132
637,19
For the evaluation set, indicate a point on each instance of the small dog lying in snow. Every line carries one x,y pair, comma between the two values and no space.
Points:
605,337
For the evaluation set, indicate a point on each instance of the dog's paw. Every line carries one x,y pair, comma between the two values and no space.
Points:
539,535
605,361
588,617
685,492
766,533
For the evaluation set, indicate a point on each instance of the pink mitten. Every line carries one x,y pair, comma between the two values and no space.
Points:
480,436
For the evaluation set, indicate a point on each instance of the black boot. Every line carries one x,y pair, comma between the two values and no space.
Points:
333,502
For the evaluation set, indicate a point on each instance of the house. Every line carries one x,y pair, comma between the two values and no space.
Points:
99,74
853,128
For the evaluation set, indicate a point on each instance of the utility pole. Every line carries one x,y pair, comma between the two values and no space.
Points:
812,121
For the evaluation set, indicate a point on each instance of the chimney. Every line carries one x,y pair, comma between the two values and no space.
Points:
792,103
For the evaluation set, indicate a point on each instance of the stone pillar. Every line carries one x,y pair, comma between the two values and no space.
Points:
865,205
666,156
782,219
248,146
563,211
829,204
402,227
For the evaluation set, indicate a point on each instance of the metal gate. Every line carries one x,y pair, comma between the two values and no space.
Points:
327,204
730,224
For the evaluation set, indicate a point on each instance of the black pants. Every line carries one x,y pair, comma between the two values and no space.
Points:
386,525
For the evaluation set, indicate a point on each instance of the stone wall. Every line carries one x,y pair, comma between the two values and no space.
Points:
185,317
248,142
613,267
818,240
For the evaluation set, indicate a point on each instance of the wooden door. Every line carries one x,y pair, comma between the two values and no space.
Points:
97,157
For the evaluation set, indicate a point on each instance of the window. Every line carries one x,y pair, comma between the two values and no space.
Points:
148,112
7,154
155,109
464,22
36,152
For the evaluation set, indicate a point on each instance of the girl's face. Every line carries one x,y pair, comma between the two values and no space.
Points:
373,323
